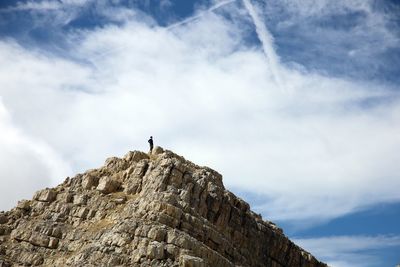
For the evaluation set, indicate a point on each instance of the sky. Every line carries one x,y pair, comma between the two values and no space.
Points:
295,103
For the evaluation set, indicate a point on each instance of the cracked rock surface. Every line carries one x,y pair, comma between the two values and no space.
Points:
143,210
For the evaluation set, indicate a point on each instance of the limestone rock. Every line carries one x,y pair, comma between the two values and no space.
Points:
155,250
3,218
157,150
108,185
89,181
46,195
135,156
144,210
190,261
24,205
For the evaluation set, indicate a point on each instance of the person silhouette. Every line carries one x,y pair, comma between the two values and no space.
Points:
151,143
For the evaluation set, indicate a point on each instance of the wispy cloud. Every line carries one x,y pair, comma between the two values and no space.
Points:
31,5
349,251
46,5
50,14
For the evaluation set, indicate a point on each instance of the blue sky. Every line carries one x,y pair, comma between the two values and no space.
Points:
296,103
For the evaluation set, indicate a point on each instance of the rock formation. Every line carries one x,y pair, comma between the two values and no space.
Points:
143,210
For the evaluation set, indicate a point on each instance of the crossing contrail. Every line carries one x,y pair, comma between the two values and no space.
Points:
195,17
172,26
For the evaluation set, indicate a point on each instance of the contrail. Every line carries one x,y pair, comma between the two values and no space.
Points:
195,17
263,34
266,39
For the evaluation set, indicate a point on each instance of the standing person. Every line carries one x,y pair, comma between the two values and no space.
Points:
151,143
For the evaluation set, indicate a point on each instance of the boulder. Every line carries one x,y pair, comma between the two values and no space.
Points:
157,150
135,156
155,250
46,195
80,200
3,218
190,261
89,181
24,205
108,185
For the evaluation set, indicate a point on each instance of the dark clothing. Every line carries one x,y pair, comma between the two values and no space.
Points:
151,144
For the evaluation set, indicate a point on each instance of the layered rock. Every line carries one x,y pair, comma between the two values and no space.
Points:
143,210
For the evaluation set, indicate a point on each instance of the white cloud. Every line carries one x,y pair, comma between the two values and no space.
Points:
321,148
117,14
42,6
26,164
349,251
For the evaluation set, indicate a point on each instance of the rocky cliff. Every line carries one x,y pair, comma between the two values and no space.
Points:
143,210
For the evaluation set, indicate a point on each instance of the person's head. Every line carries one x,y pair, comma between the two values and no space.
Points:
151,137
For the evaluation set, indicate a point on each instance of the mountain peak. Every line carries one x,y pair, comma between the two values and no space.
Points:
145,209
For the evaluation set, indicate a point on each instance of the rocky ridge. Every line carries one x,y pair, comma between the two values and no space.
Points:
143,210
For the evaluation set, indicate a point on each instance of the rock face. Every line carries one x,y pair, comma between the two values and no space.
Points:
143,210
